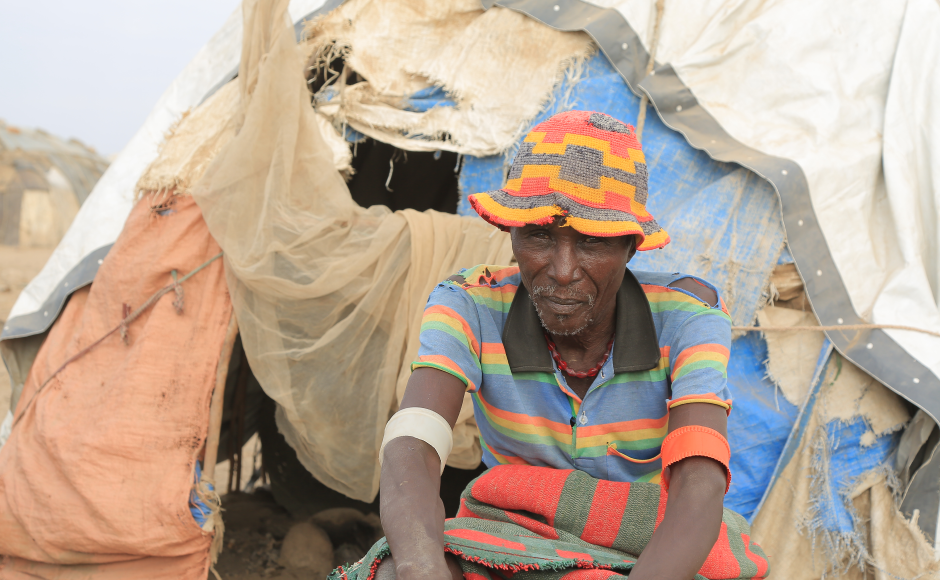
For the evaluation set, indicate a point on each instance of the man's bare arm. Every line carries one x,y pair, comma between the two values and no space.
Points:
411,507
413,514
692,521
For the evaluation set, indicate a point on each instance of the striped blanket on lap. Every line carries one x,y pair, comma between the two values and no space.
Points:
552,523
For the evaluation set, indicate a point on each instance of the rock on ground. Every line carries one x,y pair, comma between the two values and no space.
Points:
307,547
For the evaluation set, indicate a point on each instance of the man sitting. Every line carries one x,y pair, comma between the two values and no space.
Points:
573,362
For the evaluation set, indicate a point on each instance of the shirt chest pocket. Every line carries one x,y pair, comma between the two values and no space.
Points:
631,465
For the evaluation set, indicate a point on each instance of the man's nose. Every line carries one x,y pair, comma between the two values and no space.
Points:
565,269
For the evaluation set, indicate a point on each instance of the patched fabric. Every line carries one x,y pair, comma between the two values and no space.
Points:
539,523
670,348
587,167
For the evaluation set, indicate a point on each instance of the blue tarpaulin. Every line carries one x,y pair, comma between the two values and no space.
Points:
197,507
758,427
723,219
725,226
847,459
839,460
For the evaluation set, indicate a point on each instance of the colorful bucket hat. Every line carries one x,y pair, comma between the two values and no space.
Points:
585,166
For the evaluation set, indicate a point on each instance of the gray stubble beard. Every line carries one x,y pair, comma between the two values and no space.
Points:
538,291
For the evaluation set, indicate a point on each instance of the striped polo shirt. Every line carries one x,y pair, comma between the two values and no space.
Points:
670,348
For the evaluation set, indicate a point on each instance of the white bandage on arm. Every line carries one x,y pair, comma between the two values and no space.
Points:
423,424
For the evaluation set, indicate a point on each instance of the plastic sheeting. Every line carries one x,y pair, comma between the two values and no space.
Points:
497,65
757,76
841,446
847,90
758,427
724,220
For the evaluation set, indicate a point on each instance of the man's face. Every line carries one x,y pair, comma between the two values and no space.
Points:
573,278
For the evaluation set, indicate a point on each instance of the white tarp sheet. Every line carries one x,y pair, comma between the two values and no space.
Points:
844,89
103,214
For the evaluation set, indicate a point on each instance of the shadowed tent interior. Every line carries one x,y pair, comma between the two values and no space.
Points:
338,203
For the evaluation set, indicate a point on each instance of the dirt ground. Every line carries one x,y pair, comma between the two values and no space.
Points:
262,540
255,527
17,267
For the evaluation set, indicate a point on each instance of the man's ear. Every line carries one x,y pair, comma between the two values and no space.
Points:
632,241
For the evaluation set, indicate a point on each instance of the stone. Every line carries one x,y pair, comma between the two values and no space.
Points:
306,546
347,554
347,526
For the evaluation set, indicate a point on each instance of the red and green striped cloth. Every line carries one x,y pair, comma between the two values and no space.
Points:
523,521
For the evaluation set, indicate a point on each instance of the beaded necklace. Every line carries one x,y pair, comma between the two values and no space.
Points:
563,366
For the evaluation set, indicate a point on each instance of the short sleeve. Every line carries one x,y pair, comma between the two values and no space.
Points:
698,356
450,335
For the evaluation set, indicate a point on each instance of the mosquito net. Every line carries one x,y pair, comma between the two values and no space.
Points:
328,295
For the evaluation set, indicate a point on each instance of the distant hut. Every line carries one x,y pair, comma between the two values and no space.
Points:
43,181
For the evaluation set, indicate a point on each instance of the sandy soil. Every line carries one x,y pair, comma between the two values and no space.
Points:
17,267
257,529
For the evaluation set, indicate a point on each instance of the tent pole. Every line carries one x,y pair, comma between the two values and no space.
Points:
218,402
209,495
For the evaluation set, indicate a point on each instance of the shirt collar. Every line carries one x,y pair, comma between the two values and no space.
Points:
636,345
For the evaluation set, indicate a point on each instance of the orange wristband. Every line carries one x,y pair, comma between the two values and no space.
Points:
696,441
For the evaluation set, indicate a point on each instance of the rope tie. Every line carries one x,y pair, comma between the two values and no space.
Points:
125,312
654,42
831,328
122,327
178,289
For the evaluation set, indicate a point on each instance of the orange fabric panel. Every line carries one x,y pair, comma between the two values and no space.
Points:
100,466
151,568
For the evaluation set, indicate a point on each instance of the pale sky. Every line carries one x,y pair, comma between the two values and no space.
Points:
94,69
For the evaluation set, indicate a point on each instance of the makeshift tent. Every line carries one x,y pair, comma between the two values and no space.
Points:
759,114
43,181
